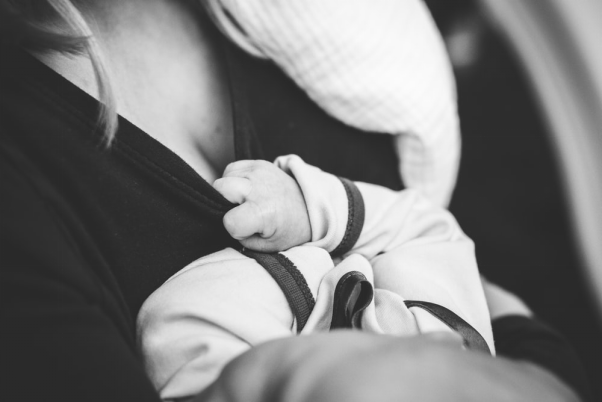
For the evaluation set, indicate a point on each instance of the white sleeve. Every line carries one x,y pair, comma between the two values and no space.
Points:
192,325
377,65
361,218
218,307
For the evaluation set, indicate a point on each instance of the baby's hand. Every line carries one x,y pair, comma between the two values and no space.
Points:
272,215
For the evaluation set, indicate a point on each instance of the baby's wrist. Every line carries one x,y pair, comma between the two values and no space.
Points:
334,205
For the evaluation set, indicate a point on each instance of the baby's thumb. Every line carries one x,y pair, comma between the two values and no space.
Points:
244,221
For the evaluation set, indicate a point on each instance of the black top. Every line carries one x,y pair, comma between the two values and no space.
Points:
87,233
522,338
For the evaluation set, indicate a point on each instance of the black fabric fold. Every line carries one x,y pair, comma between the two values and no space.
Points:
352,295
291,281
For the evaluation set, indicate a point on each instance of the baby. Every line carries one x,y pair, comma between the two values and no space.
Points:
379,66
320,252
341,255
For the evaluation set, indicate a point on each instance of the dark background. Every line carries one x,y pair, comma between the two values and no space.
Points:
509,197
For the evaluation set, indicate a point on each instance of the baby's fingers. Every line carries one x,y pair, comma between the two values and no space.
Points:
244,221
244,167
234,189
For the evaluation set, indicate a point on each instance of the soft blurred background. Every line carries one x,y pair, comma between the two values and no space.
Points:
529,190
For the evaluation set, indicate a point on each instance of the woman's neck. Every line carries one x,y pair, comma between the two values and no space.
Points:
166,72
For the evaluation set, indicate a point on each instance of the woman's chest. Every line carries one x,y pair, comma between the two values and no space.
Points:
167,76
177,91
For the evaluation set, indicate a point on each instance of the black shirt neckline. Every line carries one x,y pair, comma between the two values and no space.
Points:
82,108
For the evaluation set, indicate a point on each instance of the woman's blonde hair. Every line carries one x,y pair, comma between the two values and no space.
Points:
57,25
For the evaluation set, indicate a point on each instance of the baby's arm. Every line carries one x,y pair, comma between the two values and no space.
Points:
220,306
360,218
416,250
290,203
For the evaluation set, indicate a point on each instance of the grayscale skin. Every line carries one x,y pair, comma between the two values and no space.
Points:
356,367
